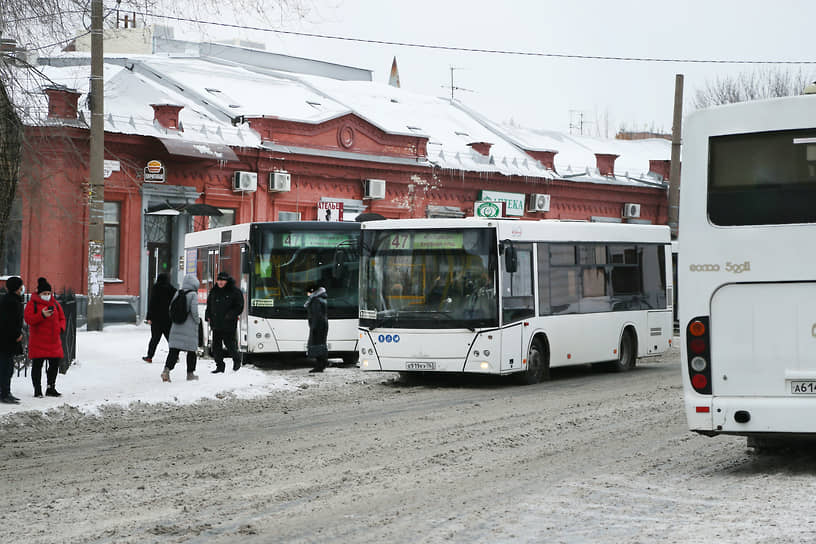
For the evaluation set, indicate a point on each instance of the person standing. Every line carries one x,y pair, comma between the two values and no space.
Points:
224,306
184,335
158,313
318,316
45,323
11,335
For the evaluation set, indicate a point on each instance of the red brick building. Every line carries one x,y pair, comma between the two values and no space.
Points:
178,130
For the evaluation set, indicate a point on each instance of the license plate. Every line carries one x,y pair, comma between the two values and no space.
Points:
803,387
420,365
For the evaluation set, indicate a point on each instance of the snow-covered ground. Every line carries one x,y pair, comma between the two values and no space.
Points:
109,371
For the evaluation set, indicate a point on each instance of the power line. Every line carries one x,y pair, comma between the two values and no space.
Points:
473,49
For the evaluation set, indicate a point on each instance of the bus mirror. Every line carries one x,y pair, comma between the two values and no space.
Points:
510,258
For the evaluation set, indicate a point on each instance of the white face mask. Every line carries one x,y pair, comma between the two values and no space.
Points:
22,290
46,297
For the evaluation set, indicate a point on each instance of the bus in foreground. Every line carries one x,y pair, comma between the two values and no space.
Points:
512,297
274,264
748,269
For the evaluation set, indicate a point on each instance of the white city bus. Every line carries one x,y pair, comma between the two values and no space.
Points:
503,297
748,269
274,264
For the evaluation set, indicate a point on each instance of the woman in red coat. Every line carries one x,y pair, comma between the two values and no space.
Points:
45,321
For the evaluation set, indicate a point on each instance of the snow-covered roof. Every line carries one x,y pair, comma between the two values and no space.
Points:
217,96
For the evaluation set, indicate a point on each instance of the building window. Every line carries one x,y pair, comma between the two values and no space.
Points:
113,216
288,216
225,220
10,259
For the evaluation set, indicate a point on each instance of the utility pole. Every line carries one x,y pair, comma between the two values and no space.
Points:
96,185
674,171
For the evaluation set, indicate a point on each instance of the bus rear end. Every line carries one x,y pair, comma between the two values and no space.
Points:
747,272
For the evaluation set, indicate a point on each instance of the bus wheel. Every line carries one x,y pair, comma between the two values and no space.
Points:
351,358
538,365
627,353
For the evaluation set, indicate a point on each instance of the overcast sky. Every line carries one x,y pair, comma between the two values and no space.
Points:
545,92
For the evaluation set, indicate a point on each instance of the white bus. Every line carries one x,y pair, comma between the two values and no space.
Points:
748,269
274,264
503,297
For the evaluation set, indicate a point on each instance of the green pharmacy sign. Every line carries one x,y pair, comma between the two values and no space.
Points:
487,209
513,202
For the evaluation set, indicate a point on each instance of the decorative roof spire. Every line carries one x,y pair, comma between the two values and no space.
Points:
393,80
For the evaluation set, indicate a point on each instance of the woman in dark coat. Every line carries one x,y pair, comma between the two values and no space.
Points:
158,314
45,323
11,335
318,315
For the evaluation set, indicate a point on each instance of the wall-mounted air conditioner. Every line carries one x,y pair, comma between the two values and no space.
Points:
279,181
374,188
631,210
244,181
539,203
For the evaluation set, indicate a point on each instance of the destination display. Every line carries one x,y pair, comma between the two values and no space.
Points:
424,240
316,239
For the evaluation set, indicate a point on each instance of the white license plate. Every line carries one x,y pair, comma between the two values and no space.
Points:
420,365
806,387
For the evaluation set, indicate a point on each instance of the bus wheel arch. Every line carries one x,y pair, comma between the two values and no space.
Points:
538,361
627,350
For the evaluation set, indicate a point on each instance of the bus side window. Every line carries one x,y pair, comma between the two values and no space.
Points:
517,297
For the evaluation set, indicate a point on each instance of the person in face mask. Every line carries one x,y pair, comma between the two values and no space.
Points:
45,321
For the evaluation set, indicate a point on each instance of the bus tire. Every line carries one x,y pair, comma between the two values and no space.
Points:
538,365
627,353
351,358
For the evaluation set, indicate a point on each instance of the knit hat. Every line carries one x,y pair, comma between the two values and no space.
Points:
13,283
223,276
43,285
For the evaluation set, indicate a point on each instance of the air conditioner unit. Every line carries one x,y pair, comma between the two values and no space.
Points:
374,188
539,203
279,181
631,210
244,181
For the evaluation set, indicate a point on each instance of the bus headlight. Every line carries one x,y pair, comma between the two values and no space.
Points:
475,352
258,335
487,353
365,363
484,365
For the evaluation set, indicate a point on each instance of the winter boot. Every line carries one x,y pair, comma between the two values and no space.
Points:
219,369
165,375
191,377
38,391
147,359
52,392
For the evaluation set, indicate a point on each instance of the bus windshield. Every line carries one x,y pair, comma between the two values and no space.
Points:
287,263
429,278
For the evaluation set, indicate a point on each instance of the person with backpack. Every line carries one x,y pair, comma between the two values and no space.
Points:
158,313
45,323
184,328
224,306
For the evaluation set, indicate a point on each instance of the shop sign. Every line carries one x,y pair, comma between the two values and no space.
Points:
110,167
329,211
154,172
488,210
514,202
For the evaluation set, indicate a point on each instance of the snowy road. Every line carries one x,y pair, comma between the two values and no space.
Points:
353,457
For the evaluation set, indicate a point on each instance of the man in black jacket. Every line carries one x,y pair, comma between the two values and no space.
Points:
11,335
158,313
318,315
224,306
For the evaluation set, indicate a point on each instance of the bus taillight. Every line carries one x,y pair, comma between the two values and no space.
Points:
699,355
